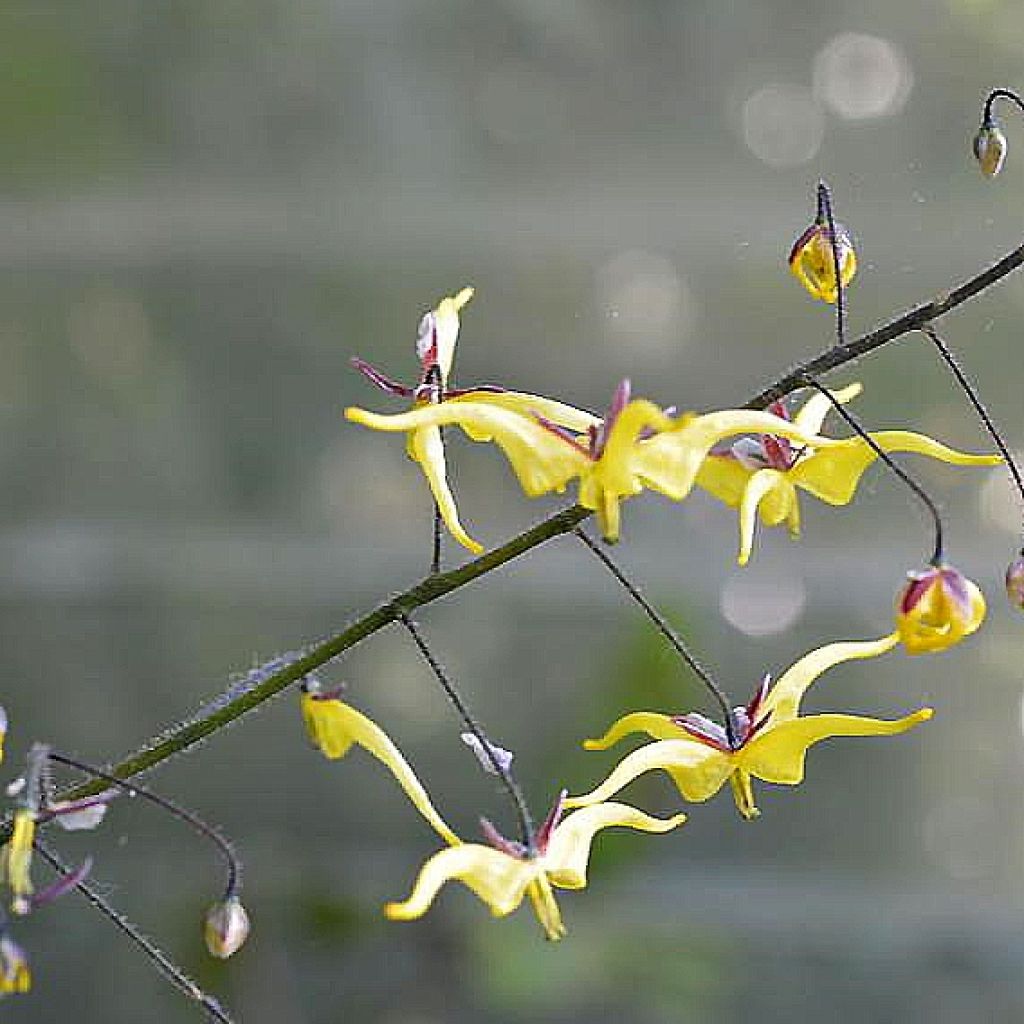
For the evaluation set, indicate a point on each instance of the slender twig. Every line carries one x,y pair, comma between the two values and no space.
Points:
914,486
662,624
163,963
979,407
233,865
502,770
223,711
825,207
435,558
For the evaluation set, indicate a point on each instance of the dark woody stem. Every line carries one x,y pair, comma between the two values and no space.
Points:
433,378
666,630
987,118
979,407
503,772
163,963
231,860
825,207
921,493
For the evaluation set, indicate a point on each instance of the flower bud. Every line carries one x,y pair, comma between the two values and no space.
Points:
15,975
226,927
990,149
937,608
813,263
1015,582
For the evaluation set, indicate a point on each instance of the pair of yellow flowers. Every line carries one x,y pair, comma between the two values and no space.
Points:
635,446
768,739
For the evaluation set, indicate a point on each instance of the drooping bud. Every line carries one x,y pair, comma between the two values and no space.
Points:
226,927
1015,582
814,265
937,608
989,147
15,976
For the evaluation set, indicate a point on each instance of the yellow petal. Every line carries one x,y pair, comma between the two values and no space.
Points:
427,448
530,406
772,488
499,879
832,473
784,698
811,416
936,624
670,461
697,770
568,852
725,478
335,726
743,794
541,461
546,908
658,727
777,754
446,326
18,860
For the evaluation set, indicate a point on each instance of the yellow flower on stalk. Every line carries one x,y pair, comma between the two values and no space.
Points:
636,446
765,740
814,265
760,475
17,860
335,726
502,873
937,608
435,347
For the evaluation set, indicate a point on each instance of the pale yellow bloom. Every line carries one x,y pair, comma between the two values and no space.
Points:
502,875
937,608
760,476
335,726
769,739
813,263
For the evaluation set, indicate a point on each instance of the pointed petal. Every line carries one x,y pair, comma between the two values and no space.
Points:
832,474
778,754
658,727
446,324
811,416
697,770
545,906
427,448
498,879
342,726
784,698
768,486
541,461
725,478
565,860
531,406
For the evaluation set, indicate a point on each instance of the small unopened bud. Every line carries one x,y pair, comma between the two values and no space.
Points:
15,975
226,927
1015,582
990,149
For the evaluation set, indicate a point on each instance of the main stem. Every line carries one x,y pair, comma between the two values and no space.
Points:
188,734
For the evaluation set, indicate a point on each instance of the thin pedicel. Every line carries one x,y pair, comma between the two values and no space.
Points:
501,769
825,213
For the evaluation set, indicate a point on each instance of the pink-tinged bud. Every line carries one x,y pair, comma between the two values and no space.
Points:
15,976
226,927
1015,582
990,149
937,608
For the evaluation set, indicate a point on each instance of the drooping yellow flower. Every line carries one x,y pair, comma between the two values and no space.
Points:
760,475
18,860
15,976
937,608
813,263
334,726
766,740
502,873
636,446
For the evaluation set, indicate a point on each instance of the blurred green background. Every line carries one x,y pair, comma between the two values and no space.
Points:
207,206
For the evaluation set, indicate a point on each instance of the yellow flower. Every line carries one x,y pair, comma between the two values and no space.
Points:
766,740
813,263
334,726
502,873
15,976
938,608
18,860
760,475
548,444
